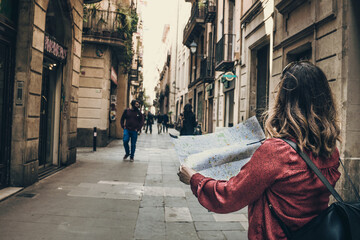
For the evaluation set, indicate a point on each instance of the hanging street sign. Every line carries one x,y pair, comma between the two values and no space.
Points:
113,75
229,76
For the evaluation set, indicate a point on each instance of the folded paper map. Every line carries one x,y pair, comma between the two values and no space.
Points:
220,155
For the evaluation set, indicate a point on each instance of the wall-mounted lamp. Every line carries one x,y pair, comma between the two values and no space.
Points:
193,47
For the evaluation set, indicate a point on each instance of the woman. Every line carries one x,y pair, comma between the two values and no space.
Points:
303,112
189,121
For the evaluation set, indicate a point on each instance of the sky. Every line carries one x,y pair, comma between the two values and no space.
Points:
156,13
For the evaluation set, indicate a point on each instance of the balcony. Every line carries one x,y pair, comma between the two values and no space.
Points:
286,6
133,72
210,11
207,71
224,53
195,25
100,26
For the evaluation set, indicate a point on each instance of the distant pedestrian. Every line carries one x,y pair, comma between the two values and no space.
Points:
179,122
165,122
131,121
188,122
159,119
149,122
276,175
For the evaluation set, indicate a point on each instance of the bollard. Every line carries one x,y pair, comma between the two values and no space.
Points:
94,140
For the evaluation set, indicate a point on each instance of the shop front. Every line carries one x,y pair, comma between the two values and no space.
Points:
54,57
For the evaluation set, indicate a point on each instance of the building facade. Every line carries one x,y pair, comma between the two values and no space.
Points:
180,60
109,69
41,50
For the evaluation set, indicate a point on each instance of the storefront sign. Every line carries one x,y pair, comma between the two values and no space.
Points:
227,80
229,76
113,75
54,49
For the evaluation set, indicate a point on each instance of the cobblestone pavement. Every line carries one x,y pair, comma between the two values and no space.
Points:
103,197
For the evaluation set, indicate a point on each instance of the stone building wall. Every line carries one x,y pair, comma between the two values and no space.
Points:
328,36
101,54
350,106
94,95
29,70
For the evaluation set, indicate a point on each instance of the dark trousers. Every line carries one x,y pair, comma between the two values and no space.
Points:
147,127
165,127
127,136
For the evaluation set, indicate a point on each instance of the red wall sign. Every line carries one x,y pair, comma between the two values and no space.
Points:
113,75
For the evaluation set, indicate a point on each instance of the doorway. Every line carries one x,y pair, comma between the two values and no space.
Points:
229,108
262,82
49,115
194,102
199,114
210,115
6,96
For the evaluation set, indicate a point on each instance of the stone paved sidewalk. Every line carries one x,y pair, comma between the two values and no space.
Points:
103,197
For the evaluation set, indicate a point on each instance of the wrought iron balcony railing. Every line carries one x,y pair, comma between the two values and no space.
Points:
195,23
133,78
225,52
210,11
101,23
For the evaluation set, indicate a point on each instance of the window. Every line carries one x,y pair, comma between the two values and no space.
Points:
303,52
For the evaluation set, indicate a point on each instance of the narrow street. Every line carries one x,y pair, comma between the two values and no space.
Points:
103,197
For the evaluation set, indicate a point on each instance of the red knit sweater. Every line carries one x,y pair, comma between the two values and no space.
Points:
275,169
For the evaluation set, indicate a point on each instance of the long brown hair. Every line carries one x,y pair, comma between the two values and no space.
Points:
304,109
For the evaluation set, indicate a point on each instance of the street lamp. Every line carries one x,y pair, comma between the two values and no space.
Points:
193,47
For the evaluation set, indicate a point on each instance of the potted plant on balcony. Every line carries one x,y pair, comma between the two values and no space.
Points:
118,24
127,20
105,28
202,4
86,25
99,26
89,17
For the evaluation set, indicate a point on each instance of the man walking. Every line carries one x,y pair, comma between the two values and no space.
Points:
165,122
131,121
149,122
159,118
